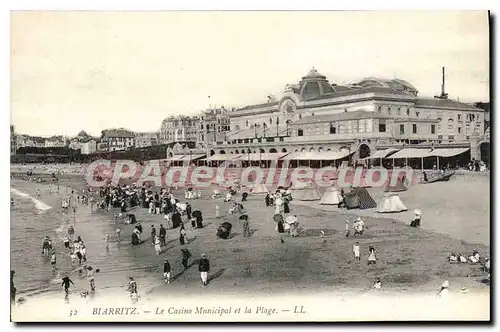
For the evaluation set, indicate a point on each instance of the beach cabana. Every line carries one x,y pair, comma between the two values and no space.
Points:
391,203
331,196
306,193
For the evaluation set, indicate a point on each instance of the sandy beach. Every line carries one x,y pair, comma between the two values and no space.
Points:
410,261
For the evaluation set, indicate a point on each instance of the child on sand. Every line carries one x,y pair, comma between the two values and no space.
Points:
118,232
106,239
356,251
53,260
217,211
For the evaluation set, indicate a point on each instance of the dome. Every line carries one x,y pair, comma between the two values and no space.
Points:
313,73
395,84
405,83
82,134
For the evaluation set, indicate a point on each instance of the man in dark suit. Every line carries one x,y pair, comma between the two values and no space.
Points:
204,268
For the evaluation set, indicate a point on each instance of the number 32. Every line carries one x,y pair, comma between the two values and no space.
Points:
73,312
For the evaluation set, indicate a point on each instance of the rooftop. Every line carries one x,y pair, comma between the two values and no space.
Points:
444,103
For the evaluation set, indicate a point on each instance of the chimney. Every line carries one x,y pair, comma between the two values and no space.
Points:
443,93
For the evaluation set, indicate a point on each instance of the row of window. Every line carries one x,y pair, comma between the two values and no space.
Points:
399,111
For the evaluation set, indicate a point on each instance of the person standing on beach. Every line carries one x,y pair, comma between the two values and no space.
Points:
118,233
157,244
153,234
38,193
188,210
71,232
356,251
106,240
91,277
372,259
204,268
53,260
66,242
65,282
83,250
217,211
166,271
132,288
347,228
163,234
185,258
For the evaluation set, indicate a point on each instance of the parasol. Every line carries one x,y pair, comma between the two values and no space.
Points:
278,218
243,217
418,212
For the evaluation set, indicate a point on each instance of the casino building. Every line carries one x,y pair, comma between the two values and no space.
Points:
372,115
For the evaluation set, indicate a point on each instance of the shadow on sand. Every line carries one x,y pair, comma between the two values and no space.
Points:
216,275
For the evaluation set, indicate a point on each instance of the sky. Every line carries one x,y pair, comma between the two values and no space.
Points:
85,70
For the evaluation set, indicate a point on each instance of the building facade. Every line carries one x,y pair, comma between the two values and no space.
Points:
213,126
372,114
143,140
88,147
179,129
118,139
55,142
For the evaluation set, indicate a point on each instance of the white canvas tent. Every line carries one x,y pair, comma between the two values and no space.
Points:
306,193
259,188
331,196
391,203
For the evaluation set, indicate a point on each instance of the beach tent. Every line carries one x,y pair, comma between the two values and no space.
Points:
391,203
306,193
359,198
398,187
259,188
331,196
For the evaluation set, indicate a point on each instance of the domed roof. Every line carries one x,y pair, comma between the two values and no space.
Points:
395,84
313,73
405,83
82,134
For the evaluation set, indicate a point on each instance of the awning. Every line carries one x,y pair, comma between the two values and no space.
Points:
224,157
447,152
313,155
176,157
193,156
381,154
262,156
411,153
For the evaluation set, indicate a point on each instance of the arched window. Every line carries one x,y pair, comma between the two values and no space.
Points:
236,151
311,150
450,123
320,149
303,150
246,123
283,150
237,127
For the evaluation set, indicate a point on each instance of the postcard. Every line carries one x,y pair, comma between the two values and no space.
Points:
250,166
